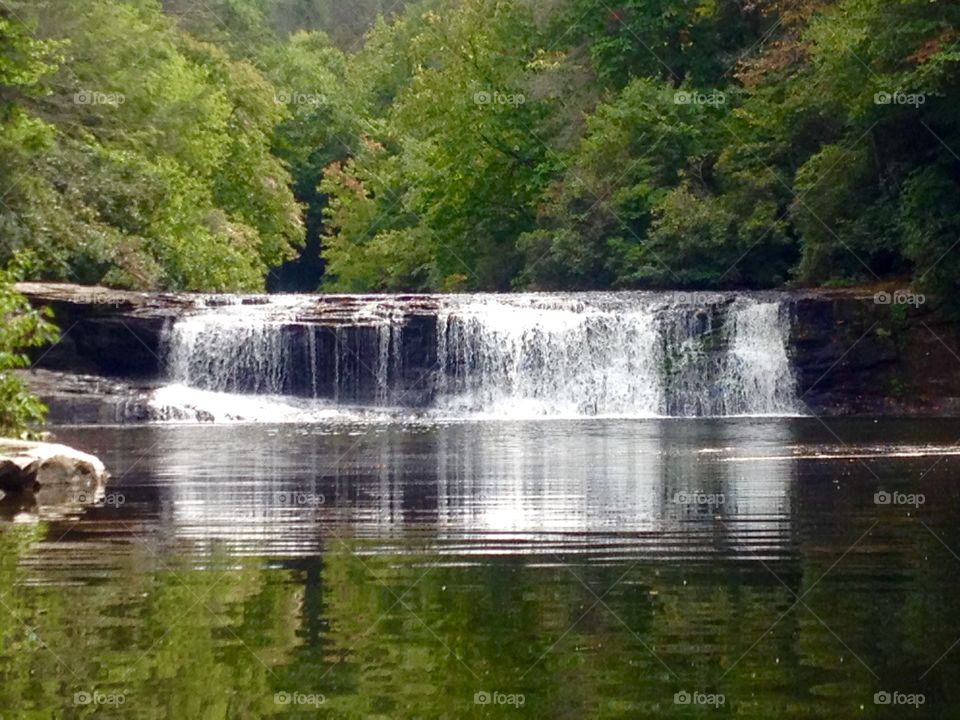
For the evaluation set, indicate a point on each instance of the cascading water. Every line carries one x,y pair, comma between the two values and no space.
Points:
556,357
757,374
649,355
232,349
521,355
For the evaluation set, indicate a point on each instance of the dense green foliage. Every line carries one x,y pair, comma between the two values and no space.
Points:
481,144
144,157
20,327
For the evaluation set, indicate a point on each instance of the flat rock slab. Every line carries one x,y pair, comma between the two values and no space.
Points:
27,467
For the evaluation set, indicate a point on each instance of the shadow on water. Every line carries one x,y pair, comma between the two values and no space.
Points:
609,569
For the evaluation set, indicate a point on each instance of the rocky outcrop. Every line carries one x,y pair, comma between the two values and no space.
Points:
114,333
79,399
119,334
112,345
860,351
875,351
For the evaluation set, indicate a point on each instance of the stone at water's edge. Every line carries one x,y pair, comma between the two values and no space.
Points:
80,399
51,470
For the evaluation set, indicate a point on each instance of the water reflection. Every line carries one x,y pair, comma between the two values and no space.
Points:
478,487
543,488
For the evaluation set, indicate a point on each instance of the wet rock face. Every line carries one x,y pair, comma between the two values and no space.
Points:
120,335
854,355
114,333
113,350
79,399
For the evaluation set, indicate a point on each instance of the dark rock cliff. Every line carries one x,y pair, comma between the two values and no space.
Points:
875,352
105,332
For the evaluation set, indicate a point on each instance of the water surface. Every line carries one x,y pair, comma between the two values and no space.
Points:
557,569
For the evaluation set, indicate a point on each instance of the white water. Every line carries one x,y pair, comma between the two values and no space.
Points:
226,348
504,356
556,359
181,403
648,357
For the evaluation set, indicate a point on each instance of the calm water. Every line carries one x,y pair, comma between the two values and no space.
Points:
601,569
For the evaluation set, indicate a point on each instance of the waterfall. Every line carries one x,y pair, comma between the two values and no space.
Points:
758,373
518,355
549,358
228,351
649,355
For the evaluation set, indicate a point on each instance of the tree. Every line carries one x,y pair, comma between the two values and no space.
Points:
480,144
677,41
425,176
154,167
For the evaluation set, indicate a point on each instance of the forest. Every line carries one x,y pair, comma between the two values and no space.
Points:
456,145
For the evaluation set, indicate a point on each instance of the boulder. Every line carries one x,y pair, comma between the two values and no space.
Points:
49,468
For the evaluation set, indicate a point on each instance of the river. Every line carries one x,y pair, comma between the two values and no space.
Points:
592,568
